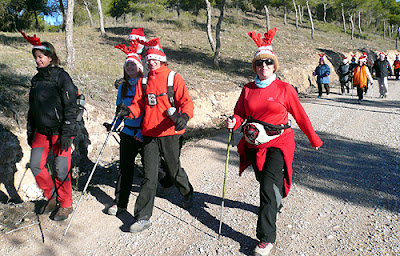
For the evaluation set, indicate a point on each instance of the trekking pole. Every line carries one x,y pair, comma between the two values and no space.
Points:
91,173
224,186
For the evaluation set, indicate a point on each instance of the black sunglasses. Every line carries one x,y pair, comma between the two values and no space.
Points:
268,62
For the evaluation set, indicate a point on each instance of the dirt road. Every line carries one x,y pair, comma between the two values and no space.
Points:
344,200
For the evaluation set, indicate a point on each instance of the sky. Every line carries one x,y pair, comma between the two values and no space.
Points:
56,20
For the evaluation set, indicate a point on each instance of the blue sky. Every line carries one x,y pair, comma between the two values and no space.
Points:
53,20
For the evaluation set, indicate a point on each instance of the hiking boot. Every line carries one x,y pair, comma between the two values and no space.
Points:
115,210
263,248
50,206
163,191
139,226
187,202
63,213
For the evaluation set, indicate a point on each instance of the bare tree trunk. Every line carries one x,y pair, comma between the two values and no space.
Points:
62,10
325,4
359,22
284,14
300,9
311,20
37,21
101,19
344,19
384,29
209,32
89,13
352,26
217,34
69,45
266,17
297,16
389,31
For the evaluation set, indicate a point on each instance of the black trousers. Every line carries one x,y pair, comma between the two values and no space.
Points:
128,150
168,147
326,86
396,73
361,91
344,85
271,180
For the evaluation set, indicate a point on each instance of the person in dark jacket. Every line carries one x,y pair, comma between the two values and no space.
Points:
382,71
322,71
51,126
353,64
396,67
344,71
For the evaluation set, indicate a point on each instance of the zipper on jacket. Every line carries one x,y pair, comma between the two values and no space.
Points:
58,117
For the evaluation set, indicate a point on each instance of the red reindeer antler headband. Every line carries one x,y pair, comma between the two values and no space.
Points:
131,53
35,41
266,41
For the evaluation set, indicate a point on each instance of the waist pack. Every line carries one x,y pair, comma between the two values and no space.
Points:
257,132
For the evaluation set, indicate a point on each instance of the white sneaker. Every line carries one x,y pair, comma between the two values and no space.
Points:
139,226
263,249
115,210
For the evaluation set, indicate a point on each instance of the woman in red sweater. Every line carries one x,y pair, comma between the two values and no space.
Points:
268,142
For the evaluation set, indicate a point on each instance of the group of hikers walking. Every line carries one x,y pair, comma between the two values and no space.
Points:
358,74
154,106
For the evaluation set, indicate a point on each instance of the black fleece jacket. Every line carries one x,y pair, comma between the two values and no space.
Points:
52,103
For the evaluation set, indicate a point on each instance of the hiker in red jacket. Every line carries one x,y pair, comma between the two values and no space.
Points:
51,126
162,130
268,142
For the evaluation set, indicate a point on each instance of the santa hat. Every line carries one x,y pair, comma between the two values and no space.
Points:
345,60
363,59
264,50
35,41
397,56
131,53
353,57
137,33
154,51
382,53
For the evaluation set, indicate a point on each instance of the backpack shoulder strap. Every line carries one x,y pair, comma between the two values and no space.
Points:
170,87
144,84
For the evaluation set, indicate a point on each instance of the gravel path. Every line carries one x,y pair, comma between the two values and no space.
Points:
344,200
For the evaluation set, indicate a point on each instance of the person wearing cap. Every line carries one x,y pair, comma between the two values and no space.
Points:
163,134
344,71
131,142
396,67
268,144
322,71
51,125
362,77
382,71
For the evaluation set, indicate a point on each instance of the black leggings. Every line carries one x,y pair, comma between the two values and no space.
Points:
326,86
271,180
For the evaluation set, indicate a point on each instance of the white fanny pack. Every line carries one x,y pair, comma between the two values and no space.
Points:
257,132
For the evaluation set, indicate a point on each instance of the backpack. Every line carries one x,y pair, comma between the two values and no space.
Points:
170,87
80,99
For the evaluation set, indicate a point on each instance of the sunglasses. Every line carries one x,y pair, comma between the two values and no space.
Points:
268,62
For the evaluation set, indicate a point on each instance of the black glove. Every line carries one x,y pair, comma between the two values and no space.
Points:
108,126
65,142
122,111
30,138
181,122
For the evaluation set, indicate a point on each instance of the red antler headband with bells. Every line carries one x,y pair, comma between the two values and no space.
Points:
35,41
264,49
131,53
